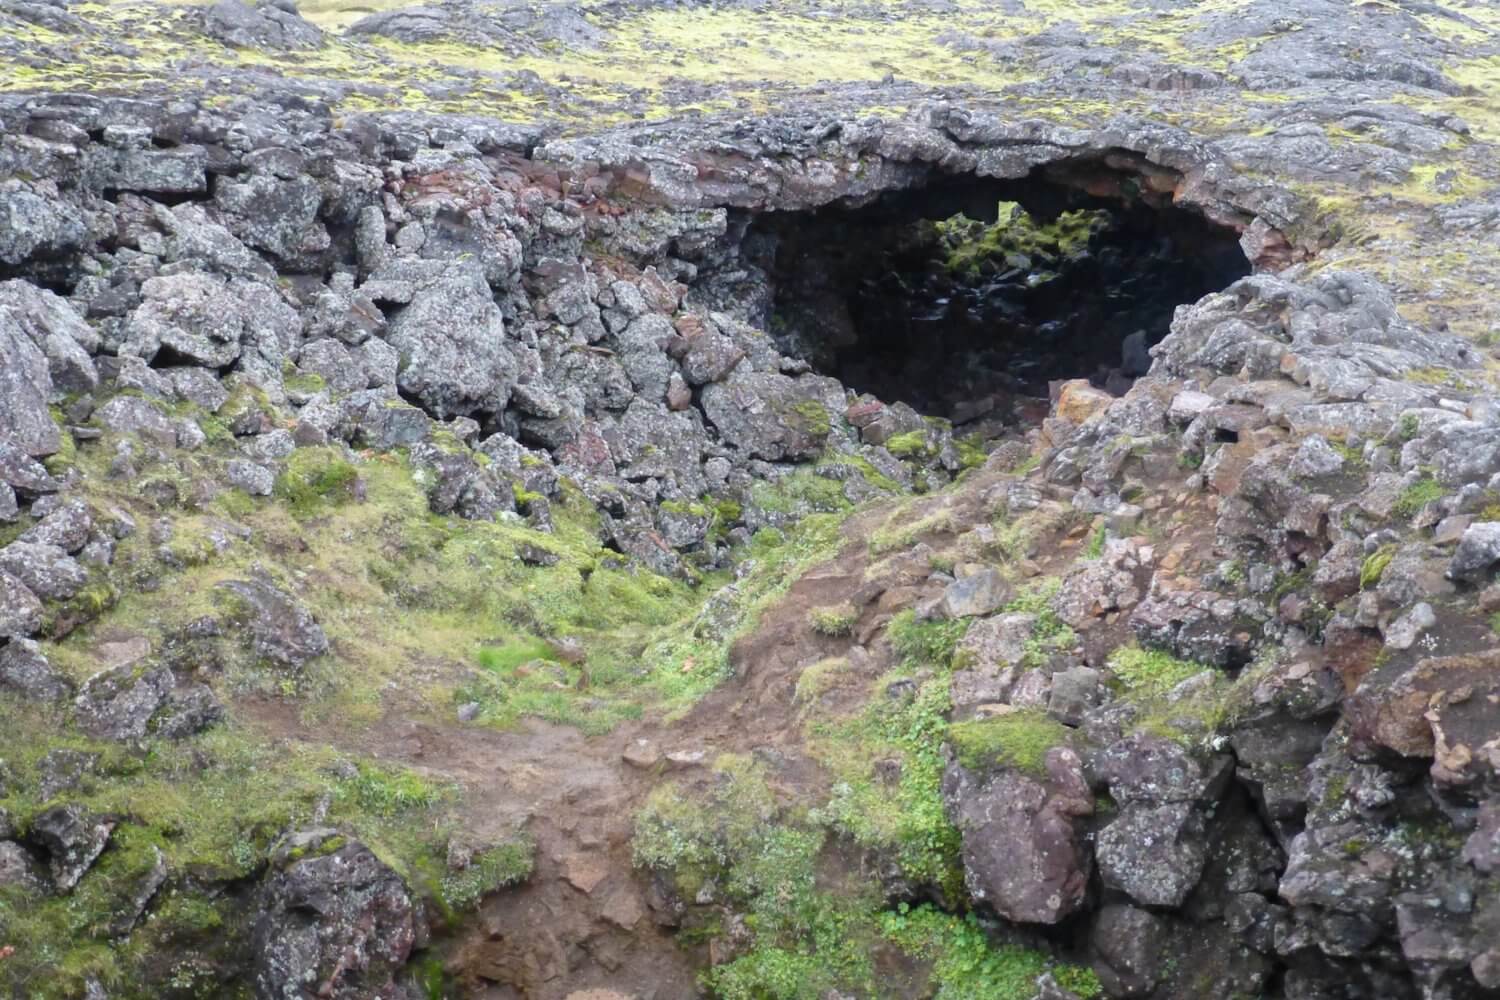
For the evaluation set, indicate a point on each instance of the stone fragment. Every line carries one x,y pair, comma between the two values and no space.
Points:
73,839
46,570
342,923
1023,847
281,632
20,611
1478,552
24,670
977,594
25,391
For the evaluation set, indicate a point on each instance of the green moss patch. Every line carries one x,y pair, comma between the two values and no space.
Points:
1018,740
925,643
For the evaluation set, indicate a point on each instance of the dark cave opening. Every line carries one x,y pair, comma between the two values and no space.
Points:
966,297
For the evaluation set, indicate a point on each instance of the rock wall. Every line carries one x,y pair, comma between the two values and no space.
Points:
514,312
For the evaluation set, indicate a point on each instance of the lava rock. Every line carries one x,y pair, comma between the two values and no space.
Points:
256,480
54,327
18,869
977,594
119,703
73,839
35,227
1127,946
343,925
1478,552
282,633
67,527
1155,854
20,611
265,26
451,339
769,415
1023,846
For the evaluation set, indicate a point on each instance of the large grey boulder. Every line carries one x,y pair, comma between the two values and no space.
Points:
1154,854
22,473
57,329
195,317
67,526
1023,845
25,390
282,633
32,226
265,26
770,415
20,611
976,594
279,216
340,926
24,670
133,415
46,570
18,869
1478,552
73,839
118,704
451,338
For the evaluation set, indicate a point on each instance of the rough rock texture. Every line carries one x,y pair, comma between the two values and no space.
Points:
340,925
1023,847
223,283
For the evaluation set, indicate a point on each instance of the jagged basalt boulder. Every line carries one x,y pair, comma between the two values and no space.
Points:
281,633
272,25
453,349
20,611
46,570
1023,845
769,415
119,703
24,670
73,839
25,391
341,926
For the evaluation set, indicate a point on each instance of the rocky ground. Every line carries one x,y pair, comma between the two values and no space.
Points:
468,526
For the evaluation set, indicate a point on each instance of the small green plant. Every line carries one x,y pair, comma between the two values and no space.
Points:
899,533
504,659
819,677
1049,633
1416,496
1018,740
1095,548
837,620
387,793
911,444
1027,465
1373,569
500,866
900,815
800,492
966,966
925,643
1150,672
1408,427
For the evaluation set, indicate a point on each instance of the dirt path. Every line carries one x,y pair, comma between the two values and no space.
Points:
584,920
